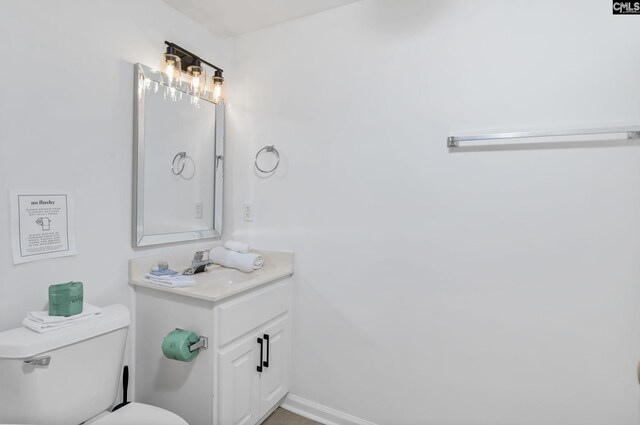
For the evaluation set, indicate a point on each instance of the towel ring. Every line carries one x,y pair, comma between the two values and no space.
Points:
268,149
180,156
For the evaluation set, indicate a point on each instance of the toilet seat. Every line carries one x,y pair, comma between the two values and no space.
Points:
140,414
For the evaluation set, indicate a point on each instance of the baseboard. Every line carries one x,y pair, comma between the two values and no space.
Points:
320,413
273,409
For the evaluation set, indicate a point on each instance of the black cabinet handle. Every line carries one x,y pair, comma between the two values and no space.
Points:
259,368
266,338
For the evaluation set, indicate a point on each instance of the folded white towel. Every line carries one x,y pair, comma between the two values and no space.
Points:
244,262
41,322
237,246
43,327
175,281
43,316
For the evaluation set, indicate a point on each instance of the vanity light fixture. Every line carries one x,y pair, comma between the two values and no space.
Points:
177,60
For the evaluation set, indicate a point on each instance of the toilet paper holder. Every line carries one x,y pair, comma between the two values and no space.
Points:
203,342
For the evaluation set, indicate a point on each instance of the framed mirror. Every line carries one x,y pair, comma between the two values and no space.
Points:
178,162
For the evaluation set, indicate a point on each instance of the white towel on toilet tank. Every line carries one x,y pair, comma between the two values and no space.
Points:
244,262
41,322
237,246
43,316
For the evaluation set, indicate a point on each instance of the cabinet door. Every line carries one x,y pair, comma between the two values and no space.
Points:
239,384
274,380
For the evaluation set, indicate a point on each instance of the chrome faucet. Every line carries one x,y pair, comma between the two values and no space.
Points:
199,263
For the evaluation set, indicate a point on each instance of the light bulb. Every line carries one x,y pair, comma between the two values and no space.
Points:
198,77
172,69
217,92
217,87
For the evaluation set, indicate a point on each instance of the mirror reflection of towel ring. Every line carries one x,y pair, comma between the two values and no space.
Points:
268,149
178,160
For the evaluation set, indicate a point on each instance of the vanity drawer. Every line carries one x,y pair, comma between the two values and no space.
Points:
244,314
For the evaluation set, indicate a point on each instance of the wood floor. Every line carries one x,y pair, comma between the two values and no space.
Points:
284,417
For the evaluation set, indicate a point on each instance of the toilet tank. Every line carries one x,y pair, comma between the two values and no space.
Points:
81,379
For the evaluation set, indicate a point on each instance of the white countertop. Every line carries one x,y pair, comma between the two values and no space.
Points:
217,282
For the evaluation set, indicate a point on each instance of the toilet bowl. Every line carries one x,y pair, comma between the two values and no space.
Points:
139,414
71,376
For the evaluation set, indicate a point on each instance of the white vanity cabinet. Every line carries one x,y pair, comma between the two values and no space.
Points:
253,375
243,375
253,354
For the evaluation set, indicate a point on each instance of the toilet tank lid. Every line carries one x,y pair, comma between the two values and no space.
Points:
22,343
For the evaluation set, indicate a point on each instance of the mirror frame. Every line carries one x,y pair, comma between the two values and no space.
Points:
142,72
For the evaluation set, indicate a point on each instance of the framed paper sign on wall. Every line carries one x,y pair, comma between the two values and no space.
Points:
42,225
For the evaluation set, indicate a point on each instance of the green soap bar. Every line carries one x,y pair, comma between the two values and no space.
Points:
175,345
66,299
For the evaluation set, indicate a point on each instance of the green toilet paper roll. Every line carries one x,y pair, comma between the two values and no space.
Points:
65,299
176,345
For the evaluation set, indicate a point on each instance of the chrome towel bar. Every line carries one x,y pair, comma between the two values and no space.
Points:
631,132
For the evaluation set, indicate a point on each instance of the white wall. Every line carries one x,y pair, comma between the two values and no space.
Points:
486,287
66,123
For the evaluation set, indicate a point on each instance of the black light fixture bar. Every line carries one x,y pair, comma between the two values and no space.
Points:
190,55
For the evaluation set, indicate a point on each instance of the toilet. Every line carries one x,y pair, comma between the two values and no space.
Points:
71,376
